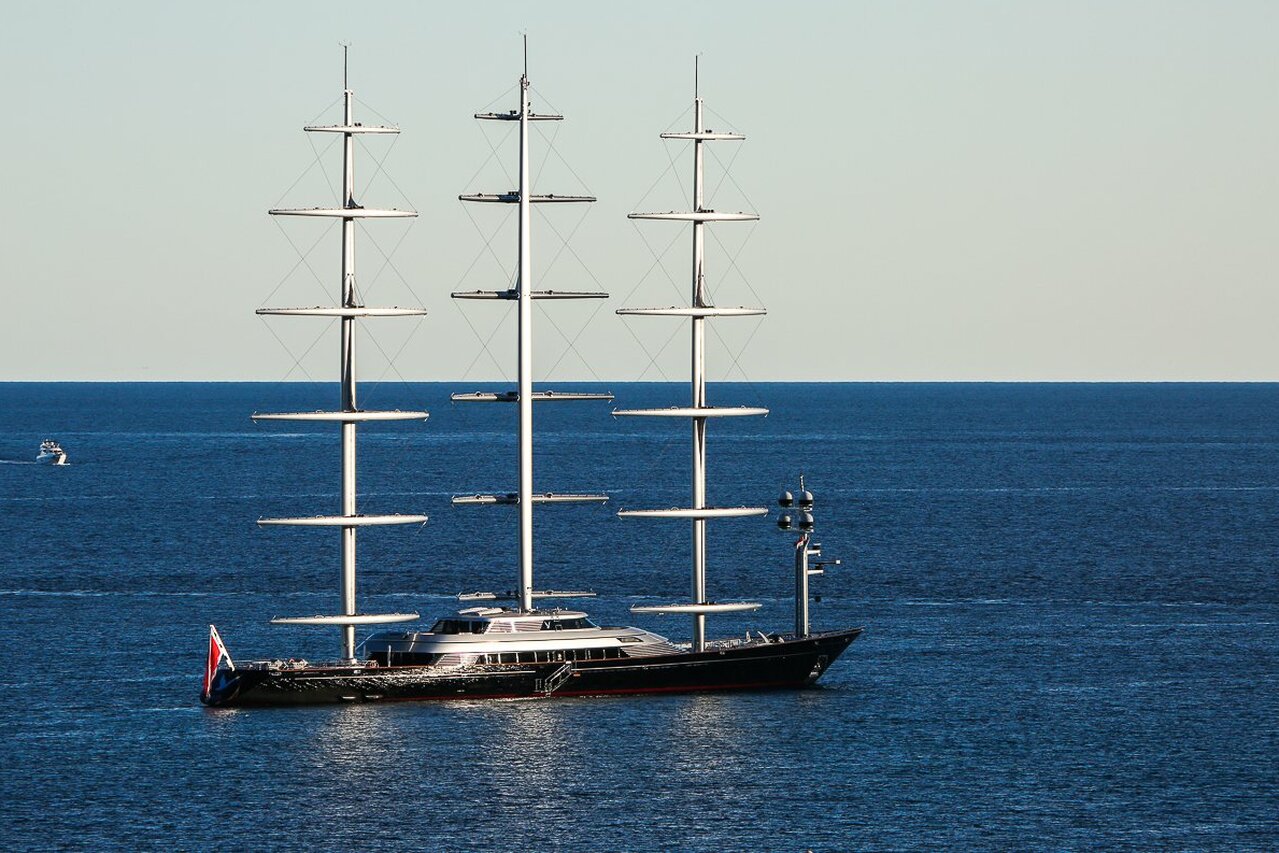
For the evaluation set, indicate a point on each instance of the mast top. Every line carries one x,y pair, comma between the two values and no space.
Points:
345,48
696,74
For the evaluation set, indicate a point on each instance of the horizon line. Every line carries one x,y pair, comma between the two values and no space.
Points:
461,382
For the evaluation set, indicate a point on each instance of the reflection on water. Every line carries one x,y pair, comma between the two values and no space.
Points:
530,735
351,737
705,731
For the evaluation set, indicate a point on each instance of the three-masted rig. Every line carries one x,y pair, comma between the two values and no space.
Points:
524,650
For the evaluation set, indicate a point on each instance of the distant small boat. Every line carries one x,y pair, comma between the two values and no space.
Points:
51,453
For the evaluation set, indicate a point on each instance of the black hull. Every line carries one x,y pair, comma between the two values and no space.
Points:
788,663
330,685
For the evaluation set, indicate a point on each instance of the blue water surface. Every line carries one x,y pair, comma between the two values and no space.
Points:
1070,597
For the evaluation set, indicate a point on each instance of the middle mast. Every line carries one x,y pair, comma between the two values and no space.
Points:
523,294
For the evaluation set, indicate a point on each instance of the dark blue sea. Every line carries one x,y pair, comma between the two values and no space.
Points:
1070,596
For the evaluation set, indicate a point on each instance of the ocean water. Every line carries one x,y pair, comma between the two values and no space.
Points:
1070,596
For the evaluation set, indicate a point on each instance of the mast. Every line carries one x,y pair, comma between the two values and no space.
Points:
698,378
524,294
699,410
525,285
348,369
348,414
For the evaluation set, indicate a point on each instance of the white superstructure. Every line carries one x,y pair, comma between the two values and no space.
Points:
492,635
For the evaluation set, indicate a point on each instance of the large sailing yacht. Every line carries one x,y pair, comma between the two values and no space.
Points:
510,644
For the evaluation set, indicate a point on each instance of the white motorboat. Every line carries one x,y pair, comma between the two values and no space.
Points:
51,453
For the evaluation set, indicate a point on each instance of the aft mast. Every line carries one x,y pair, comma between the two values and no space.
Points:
699,411
524,295
348,415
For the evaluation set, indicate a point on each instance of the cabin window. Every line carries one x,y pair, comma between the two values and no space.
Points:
459,626
567,624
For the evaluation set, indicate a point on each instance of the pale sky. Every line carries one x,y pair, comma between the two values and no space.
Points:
947,190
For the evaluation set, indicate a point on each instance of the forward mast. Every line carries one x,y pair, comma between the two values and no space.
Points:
699,410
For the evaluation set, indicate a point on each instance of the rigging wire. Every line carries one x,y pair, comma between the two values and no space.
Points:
661,261
390,363
370,108
297,360
484,344
732,260
668,171
569,348
487,248
488,242
736,359
317,161
688,199
549,140
514,87
566,246
492,154
553,149
725,170
388,262
323,169
303,259
394,358
378,162
333,103
658,262
362,295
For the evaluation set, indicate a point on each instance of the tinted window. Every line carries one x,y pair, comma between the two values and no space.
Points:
458,626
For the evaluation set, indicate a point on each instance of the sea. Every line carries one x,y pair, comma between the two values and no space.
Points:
1070,596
